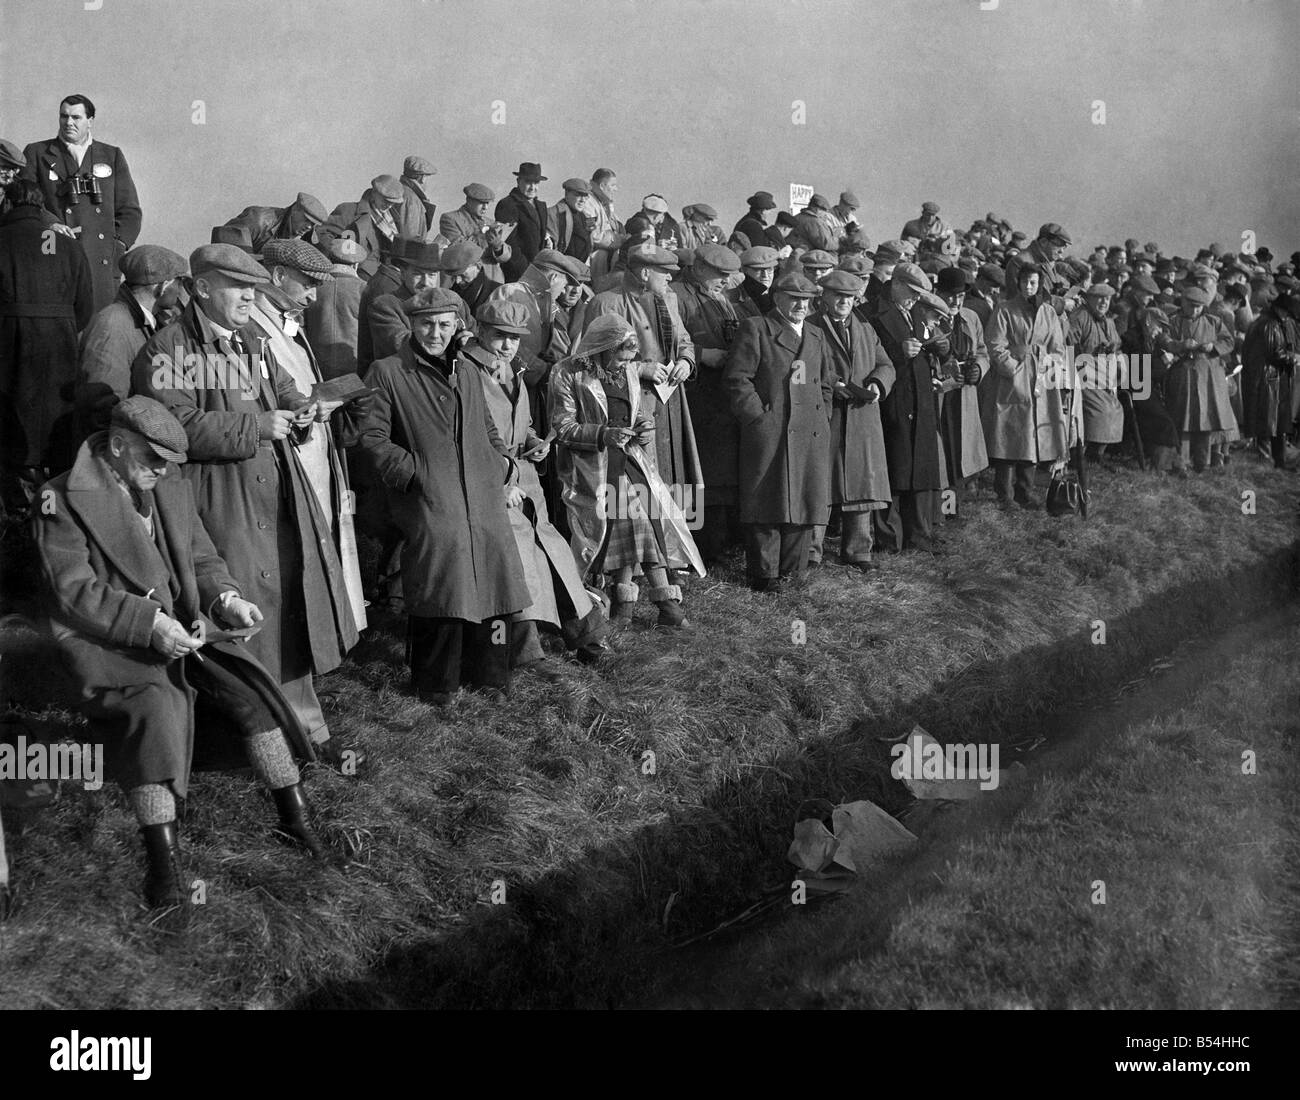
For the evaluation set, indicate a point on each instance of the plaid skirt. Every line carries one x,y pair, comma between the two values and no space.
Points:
632,537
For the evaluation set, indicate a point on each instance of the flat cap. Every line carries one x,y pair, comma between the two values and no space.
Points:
951,280
647,254
479,192
550,260
761,200
704,210
1143,258
510,317
849,200
457,257
1197,295
911,276
578,185
418,254
300,256
237,235
147,264
656,204
1100,290
1143,282
434,299
889,250
344,250
857,265
818,202
760,256
1052,231
160,428
817,258
991,273
10,155
852,242
796,285
929,207
932,301
1203,271
784,217
717,257
418,166
388,187
228,260
311,206
843,282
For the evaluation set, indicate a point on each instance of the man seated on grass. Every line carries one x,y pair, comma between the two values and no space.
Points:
134,589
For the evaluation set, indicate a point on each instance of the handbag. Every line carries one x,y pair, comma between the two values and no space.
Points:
1064,494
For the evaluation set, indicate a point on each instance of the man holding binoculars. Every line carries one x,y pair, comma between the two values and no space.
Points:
88,188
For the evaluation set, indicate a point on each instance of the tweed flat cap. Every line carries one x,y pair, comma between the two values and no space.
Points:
1100,290
389,188
479,192
344,250
796,285
550,260
10,155
418,166
761,200
849,200
703,210
890,250
1052,231
929,207
311,206
433,299
650,255
577,185
509,317
717,257
147,264
150,418
237,235
300,256
843,282
1197,295
457,257
933,302
228,260
991,273
818,202
656,204
857,265
760,256
911,276
1144,283
817,258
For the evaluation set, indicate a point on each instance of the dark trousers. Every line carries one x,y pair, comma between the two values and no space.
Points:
446,653
1012,478
776,549
856,539
908,522
718,532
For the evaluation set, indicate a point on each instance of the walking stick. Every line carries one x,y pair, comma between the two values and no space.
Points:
1126,399
1078,458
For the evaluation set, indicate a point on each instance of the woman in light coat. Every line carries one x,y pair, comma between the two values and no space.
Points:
621,514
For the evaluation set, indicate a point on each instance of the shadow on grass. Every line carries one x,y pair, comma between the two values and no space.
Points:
597,932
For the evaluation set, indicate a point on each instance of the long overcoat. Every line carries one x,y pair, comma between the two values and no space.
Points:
780,385
108,228
1025,418
960,421
1103,415
1196,387
859,467
430,441
103,581
529,217
252,494
579,413
1271,398
910,414
333,323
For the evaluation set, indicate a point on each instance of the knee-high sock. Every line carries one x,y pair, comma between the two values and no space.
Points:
269,754
153,804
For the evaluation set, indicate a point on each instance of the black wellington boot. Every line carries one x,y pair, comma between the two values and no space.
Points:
163,885
295,824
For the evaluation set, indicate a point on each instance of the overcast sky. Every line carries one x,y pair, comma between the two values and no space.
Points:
904,100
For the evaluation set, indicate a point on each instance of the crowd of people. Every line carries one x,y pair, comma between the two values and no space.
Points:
539,416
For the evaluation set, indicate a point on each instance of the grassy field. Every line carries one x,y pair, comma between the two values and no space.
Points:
603,865
1198,857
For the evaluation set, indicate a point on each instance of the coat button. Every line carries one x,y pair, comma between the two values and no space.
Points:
261,526
261,478
99,210
266,574
101,236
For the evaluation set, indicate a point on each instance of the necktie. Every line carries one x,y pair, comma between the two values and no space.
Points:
664,329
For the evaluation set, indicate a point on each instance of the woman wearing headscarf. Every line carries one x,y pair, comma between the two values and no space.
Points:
1022,402
621,514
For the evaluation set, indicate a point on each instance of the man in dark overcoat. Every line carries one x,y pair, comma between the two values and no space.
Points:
528,214
779,376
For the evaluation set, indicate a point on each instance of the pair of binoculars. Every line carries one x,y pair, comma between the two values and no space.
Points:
84,184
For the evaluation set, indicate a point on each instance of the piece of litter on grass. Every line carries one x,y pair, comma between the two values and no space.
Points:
862,833
925,770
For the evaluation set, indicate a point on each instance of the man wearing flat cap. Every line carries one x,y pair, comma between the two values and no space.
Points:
373,222
876,297
1090,331
430,441
462,270
11,162
985,292
243,417
667,358
46,296
713,321
415,215
300,219
571,220
136,590
929,226
910,414
758,266
1045,251
754,224
332,321
470,223
780,380
813,228
523,209
297,270
667,234
1196,387
419,267
700,224
862,377
151,283
1271,361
